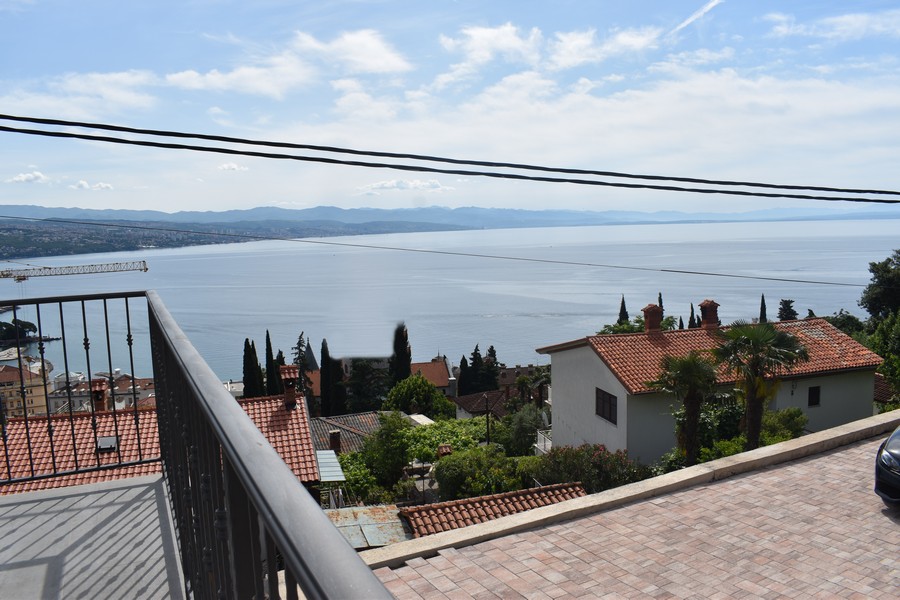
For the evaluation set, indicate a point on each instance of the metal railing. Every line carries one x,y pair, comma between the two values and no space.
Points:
246,526
544,441
239,510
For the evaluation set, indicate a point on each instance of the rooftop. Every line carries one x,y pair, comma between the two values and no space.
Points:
635,357
354,428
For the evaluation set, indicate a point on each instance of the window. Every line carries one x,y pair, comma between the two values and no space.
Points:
814,397
605,406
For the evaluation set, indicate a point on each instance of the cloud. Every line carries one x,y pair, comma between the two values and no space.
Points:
696,58
699,14
482,45
84,185
119,89
231,167
576,48
431,185
854,26
33,177
273,76
363,51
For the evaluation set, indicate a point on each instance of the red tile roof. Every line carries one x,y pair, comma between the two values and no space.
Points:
434,371
84,445
883,391
288,431
444,516
634,358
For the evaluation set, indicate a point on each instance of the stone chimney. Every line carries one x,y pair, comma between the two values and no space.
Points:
334,440
290,376
709,314
99,387
653,316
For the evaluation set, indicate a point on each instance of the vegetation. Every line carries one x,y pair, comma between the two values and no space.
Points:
401,360
367,386
254,384
786,311
593,465
476,472
478,374
415,394
16,332
755,354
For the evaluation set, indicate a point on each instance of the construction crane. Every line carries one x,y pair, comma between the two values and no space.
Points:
23,274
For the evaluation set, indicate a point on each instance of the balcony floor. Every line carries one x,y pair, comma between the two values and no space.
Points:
104,540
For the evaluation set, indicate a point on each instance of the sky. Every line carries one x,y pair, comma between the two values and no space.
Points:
804,93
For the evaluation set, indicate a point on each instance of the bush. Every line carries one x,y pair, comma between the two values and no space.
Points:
672,460
460,434
477,472
594,466
781,425
723,448
360,482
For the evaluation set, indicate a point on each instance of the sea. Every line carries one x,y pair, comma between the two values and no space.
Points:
514,289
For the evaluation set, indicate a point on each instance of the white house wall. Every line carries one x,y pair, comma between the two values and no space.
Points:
577,373
844,397
652,431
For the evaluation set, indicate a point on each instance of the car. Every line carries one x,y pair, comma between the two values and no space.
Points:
887,470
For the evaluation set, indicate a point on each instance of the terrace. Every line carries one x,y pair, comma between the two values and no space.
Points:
189,500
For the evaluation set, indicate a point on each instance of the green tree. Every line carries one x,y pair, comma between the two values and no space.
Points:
401,359
302,360
464,382
659,301
757,354
690,378
885,341
762,309
386,452
415,394
623,312
522,426
476,472
692,321
367,386
459,434
881,297
786,311
274,386
326,381
490,372
253,377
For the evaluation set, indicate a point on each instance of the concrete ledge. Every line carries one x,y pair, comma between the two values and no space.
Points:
396,555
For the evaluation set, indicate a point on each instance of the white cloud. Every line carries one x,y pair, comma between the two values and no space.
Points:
273,76
699,14
576,48
116,89
84,185
363,51
482,45
854,26
430,185
231,167
697,58
33,177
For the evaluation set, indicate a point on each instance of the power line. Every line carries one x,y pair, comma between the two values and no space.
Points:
252,237
471,173
424,157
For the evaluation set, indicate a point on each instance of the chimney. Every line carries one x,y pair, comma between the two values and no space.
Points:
98,394
653,316
334,440
290,375
709,314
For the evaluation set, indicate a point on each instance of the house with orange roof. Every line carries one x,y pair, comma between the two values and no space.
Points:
601,392
439,373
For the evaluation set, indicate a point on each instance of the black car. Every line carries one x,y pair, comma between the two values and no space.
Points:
887,470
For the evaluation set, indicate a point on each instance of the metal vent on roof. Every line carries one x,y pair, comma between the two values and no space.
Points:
107,443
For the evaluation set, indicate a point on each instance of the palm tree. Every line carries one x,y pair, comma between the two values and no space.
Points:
691,378
756,354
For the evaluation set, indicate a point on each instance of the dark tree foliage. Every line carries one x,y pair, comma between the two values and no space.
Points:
253,377
478,374
849,324
16,331
680,323
692,321
659,301
367,386
623,312
490,373
464,382
302,360
762,309
786,311
326,382
386,451
401,359
274,385
881,297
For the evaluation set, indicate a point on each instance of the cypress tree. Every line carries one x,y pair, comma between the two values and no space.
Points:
659,300
762,309
325,380
680,323
692,322
273,376
623,312
253,378
463,384
258,371
490,372
401,360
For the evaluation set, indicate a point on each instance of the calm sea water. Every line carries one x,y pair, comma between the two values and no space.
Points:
354,296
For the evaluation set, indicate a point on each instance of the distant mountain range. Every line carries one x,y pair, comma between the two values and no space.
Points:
435,217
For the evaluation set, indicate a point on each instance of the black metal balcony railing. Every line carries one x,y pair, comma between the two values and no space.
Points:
245,525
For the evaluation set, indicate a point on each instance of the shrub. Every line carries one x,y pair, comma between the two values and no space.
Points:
594,466
782,425
723,448
360,482
477,472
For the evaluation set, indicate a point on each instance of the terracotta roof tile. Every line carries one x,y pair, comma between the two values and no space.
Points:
288,431
444,516
43,453
634,358
434,371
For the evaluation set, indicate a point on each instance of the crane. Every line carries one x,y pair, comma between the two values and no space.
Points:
23,274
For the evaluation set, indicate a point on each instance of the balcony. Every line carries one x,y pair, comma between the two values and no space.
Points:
544,441
105,496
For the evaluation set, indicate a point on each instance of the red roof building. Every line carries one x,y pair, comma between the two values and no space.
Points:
438,373
445,516
601,392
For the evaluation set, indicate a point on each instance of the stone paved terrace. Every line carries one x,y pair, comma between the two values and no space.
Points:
808,528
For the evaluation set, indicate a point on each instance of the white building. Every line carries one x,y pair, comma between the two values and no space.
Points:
600,391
